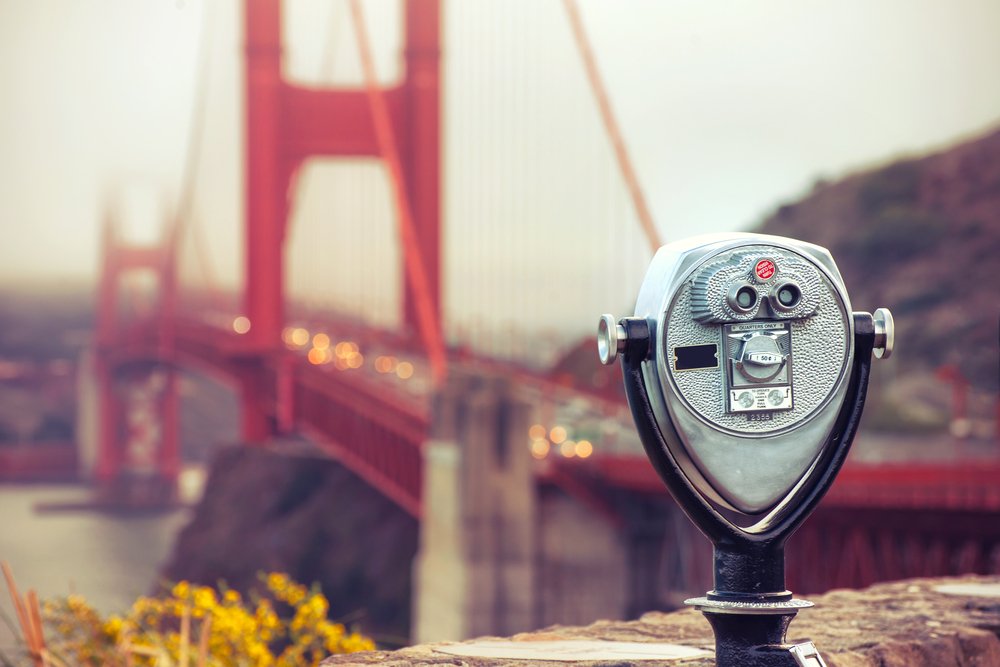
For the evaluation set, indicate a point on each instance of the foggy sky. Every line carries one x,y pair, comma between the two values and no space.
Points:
729,107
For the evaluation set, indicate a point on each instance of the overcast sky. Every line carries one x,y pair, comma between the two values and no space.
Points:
729,108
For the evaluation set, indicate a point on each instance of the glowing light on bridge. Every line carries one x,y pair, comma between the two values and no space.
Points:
295,337
537,432
539,448
346,349
584,449
568,448
557,435
317,356
384,364
321,341
404,371
241,324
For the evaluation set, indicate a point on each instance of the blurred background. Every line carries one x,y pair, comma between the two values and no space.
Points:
289,288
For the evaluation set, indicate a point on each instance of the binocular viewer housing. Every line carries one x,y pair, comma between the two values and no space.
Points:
746,372
749,352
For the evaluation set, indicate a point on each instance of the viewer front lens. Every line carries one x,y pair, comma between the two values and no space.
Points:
786,296
743,298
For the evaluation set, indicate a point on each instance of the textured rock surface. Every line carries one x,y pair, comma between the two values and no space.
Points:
304,514
902,624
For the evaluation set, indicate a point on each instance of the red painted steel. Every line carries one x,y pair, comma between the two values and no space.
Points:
862,532
114,337
878,523
855,547
611,126
914,485
419,132
38,461
285,125
377,435
959,390
267,175
418,286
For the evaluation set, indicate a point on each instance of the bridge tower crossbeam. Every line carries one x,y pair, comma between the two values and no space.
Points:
288,123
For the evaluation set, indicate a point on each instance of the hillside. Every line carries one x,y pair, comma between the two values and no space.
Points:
922,237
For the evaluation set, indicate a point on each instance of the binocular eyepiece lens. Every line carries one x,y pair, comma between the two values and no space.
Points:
786,296
743,298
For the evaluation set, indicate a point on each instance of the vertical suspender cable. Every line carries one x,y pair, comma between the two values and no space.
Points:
368,217
478,184
501,194
611,126
328,64
189,177
475,161
332,205
516,128
413,262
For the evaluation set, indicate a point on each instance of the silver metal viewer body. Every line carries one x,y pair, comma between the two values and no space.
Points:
751,390
746,370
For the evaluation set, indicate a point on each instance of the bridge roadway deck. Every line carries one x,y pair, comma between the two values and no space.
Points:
376,424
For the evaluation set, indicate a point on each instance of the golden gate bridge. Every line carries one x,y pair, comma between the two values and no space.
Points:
361,382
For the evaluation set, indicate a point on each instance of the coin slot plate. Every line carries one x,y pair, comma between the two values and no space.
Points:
758,368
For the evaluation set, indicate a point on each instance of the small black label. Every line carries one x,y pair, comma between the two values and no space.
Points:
759,416
694,357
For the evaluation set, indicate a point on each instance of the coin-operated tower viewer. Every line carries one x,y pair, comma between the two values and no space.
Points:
746,372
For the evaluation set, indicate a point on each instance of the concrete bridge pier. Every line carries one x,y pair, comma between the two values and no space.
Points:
476,568
502,553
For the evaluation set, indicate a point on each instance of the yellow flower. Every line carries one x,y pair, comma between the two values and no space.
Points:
204,598
181,590
113,626
242,633
277,582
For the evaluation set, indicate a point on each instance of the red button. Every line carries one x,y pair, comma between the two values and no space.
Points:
765,269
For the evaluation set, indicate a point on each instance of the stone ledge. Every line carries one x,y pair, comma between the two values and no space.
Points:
900,624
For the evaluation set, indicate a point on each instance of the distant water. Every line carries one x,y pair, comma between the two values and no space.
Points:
108,559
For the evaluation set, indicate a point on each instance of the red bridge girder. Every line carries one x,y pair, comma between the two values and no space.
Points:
973,485
879,522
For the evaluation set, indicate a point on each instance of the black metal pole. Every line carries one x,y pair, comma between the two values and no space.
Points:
750,571
743,640
747,574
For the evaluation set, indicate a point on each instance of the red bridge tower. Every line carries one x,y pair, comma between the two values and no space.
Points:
286,124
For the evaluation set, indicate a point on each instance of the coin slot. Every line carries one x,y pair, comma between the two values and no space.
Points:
696,357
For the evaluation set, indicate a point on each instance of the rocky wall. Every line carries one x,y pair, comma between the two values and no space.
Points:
903,624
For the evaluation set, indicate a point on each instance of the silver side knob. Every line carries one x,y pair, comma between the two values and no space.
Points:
611,338
885,333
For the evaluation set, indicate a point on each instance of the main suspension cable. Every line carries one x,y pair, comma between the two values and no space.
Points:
413,262
611,126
